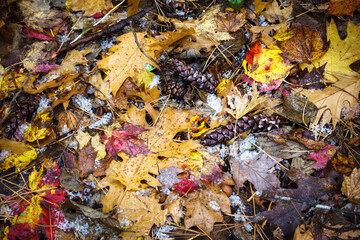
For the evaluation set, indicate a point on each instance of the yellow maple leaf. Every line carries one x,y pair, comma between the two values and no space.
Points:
267,66
332,99
90,7
341,53
160,138
125,59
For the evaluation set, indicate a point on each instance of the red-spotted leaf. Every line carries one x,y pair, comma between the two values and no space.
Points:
125,140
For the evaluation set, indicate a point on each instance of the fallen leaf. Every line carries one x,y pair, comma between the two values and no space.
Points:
38,14
203,208
350,186
301,233
341,53
230,22
344,163
134,173
125,59
333,98
133,7
343,7
40,128
254,167
89,8
125,140
267,66
159,138
260,6
301,44
86,162
285,214
313,79
274,13
19,161
322,157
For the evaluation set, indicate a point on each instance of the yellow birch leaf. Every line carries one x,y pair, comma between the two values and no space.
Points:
125,59
19,161
83,138
341,53
267,66
31,214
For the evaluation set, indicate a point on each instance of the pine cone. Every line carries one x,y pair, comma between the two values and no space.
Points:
257,123
203,82
174,89
23,111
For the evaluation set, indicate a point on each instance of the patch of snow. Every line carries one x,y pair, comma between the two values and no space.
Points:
83,102
43,104
214,102
65,129
237,202
163,232
125,222
214,205
155,82
105,119
107,43
326,130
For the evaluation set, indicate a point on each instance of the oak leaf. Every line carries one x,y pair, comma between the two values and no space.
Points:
341,53
333,99
254,167
203,208
301,44
86,163
350,186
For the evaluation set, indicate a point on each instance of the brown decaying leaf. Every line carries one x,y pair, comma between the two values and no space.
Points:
313,79
230,22
350,186
134,7
254,167
203,208
86,162
344,164
285,214
304,45
299,135
343,7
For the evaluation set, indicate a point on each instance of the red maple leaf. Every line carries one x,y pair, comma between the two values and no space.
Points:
321,157
185,186
125,140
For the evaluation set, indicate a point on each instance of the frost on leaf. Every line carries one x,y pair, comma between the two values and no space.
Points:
254,167
125,140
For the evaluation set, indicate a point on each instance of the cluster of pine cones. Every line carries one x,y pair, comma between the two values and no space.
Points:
22,111
179,76
256,123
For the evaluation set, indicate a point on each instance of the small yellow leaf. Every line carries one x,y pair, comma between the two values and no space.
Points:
35,178
144,77
90,7
38,129
19,161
